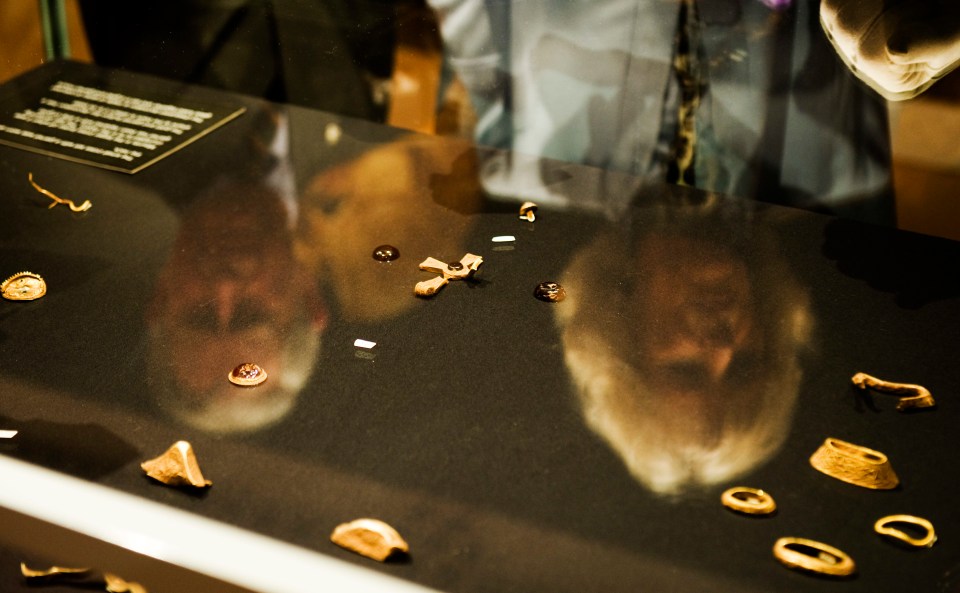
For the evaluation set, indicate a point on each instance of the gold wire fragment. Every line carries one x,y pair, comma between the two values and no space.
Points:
528,211
920,396
884,526
58,572
461,270
247,374
23,286
116,584
813,556
855,465
749,501
369,537
86,205
176,467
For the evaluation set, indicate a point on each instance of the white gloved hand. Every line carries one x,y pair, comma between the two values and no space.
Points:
898,47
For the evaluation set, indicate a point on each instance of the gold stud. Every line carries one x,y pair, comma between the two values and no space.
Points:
750,501
884,526
920,397
176,467
116,584
247,375
855,465
23,286
813,556
369,537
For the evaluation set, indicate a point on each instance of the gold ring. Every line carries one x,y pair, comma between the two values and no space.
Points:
750,501
813,556
855,465
883,527
23,286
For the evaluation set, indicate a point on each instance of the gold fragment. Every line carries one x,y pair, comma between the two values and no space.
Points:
920,397
884,526
749,501
23,286
813,556
52,572
176,467
528,211
461,270
116,584
369,537
86,205
247,374
855,465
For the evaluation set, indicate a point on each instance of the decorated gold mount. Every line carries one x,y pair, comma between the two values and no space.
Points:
177,466
855,465
371,538
23,286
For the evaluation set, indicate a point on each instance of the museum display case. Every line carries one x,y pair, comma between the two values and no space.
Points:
544,375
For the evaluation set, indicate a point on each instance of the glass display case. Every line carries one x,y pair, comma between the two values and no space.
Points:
539,350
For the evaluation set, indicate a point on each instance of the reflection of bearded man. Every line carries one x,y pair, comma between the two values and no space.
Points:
232,292
683,344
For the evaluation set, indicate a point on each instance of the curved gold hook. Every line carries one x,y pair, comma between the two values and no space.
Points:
920,398
86,205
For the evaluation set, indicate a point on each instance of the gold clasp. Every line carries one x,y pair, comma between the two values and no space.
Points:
921,397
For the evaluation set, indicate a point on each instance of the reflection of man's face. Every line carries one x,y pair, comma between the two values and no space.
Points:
699,329
230,289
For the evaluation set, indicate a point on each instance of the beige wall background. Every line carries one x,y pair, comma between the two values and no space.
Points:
21,42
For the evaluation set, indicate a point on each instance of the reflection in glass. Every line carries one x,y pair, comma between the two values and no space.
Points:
232,292
683,341
411,193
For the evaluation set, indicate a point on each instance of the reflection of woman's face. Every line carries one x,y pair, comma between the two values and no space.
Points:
697,314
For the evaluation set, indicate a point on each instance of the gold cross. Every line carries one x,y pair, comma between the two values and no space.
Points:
461,270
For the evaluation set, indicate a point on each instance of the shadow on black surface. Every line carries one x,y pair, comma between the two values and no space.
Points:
916,269
87,451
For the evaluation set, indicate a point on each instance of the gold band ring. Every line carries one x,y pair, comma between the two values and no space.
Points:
813,556
750,501
883,527
855,465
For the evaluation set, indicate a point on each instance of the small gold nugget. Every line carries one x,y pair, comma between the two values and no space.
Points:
23,286
919,396
813,556
369,537
461,270
855,465
528,211
749,501
177,467
247,375
117,585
